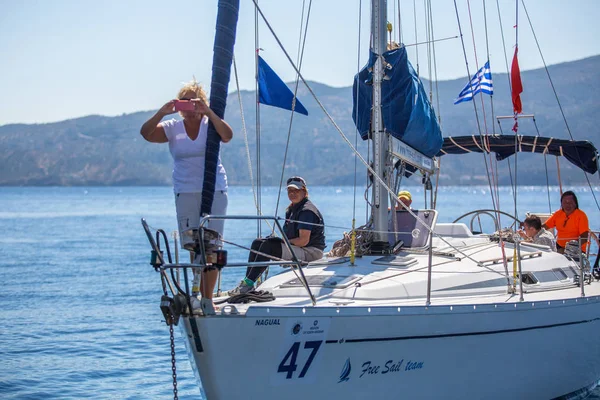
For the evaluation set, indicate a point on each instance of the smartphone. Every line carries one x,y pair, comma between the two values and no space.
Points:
184,105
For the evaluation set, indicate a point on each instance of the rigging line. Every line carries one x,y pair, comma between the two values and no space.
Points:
508,163
431,41
356,94
437,91
244,130
338,129
547,182
416,36
300,56
477,68
474,102
257,127
399,23
429,35
495,176
504,47
516,133
487,47
462,41
562,112
545,166
394,14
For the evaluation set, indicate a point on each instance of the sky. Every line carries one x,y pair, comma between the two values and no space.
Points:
64,59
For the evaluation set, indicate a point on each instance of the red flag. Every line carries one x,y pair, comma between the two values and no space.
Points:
517,86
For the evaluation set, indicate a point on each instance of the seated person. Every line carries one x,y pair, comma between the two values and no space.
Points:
534,232
304,229
405,200
570,222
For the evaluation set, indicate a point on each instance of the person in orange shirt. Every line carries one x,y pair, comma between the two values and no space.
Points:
570,222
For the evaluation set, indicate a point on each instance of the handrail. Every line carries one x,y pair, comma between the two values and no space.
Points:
294,263
162,266
487,211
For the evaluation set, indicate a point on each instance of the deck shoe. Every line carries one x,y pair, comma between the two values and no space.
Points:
195,301
208,308
242,288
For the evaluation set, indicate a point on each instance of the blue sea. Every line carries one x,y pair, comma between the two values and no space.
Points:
80,303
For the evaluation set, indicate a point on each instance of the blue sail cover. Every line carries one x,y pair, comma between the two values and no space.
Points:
407,114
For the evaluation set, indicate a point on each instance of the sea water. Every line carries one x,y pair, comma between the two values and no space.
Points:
79,302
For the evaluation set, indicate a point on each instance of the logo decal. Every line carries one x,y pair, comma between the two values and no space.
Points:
345,375
297,328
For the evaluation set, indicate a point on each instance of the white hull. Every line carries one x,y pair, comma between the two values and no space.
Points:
522,350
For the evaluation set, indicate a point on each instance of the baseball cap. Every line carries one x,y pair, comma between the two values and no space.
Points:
296,182
405,194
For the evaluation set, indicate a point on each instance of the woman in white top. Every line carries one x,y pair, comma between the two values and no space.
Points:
187,144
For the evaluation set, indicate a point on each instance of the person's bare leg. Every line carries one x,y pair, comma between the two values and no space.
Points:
208,283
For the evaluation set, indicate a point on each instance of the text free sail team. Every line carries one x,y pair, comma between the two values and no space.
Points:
304,225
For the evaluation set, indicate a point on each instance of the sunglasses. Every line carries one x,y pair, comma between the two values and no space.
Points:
296,181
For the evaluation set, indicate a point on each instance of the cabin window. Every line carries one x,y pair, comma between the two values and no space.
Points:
560,274
529,279
330,281
570,272
545,276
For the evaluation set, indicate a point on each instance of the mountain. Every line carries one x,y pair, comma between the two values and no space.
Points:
98,150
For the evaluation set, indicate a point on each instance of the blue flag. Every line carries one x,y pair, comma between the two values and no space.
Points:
481,82
273,92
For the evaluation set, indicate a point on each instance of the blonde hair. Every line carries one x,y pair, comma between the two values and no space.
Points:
193,86
393,45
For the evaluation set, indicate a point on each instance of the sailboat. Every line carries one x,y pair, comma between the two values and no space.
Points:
429,310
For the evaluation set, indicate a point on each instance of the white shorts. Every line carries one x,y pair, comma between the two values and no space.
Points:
187,206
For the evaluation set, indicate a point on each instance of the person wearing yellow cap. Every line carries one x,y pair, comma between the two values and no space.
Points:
405,199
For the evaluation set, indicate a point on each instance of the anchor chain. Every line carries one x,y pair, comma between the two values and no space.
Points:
173,365
170,320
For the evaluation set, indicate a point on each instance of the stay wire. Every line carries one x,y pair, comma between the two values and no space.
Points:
481,134
562,112
400,28
516,120
416,35
257,127
504,48
358,50
494,173
344,137
245,132
300,56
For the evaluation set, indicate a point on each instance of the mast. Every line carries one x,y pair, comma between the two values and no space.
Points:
378,135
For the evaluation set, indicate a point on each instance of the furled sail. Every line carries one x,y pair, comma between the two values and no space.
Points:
227,17
407,113
580,153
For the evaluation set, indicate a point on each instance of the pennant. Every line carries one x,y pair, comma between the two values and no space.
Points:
517,86
272,91
481,82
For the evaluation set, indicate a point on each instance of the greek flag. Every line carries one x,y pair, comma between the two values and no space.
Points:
481,82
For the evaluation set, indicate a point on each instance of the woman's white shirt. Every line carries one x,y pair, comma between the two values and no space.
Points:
189,157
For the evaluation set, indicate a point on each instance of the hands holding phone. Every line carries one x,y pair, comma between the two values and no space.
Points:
189,105
185,105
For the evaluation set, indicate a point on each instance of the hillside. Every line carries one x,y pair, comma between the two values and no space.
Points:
98,150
